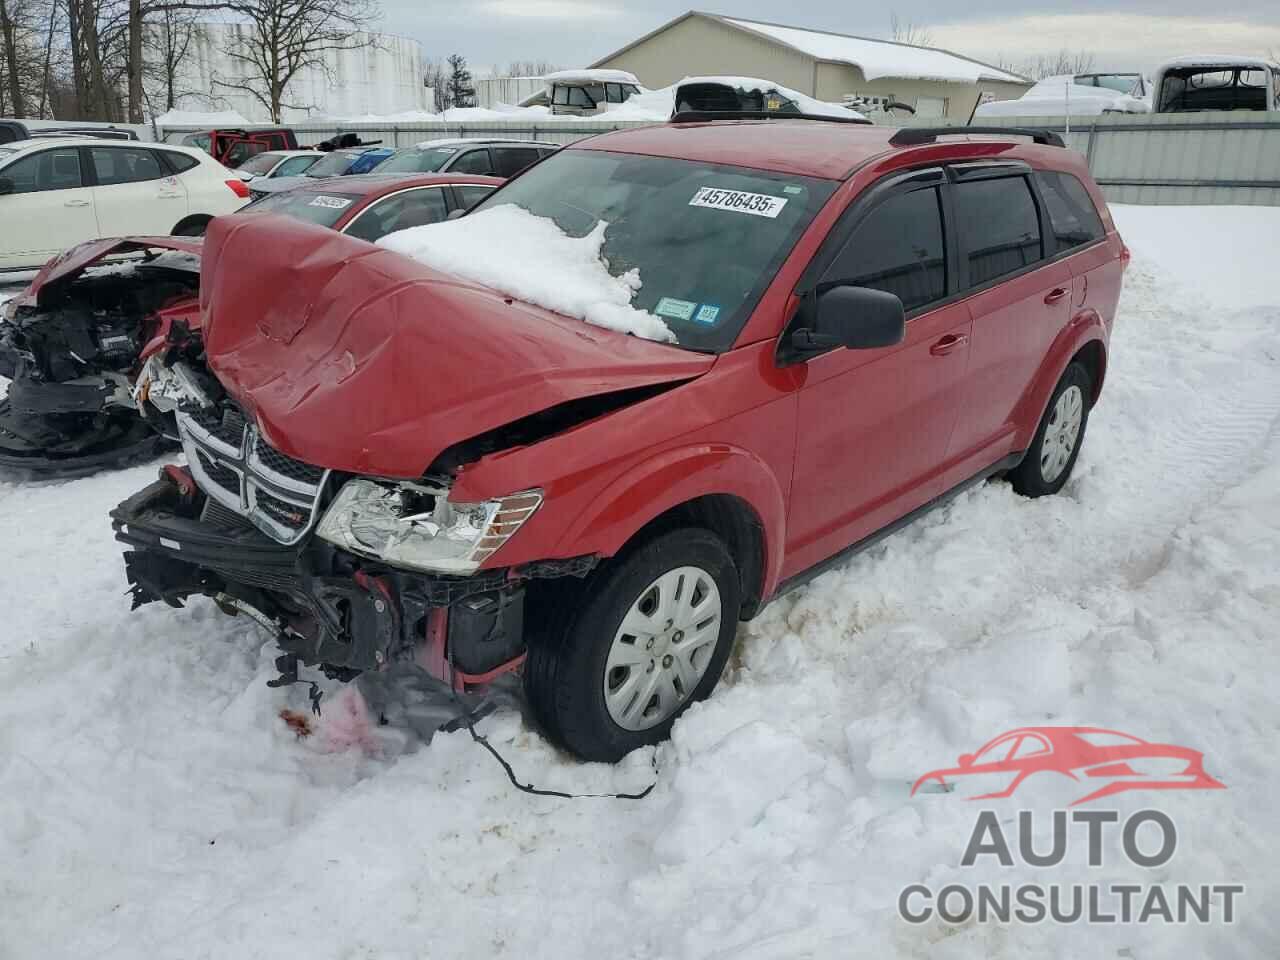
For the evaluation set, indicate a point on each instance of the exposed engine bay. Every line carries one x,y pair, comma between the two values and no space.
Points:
73,356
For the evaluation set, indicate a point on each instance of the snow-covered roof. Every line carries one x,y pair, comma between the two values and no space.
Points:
591,76
877,58
1219,60
1062,96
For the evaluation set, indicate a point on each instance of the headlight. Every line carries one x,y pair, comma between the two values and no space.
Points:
418,526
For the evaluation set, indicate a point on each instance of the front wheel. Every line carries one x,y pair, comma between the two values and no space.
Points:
1054,449
651,636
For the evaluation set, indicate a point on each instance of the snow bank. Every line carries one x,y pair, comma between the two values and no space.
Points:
191,118
154,804
531,258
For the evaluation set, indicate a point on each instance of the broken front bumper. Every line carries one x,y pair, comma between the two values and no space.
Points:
330,608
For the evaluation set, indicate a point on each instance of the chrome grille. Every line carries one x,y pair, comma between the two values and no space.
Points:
244,474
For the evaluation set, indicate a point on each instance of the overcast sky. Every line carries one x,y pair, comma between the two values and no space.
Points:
573,33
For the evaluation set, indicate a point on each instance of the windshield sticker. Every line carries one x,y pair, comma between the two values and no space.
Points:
792,188
756,204
332,203
707,313
675,309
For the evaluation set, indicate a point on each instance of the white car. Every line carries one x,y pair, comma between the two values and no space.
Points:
277,163
1081,95
56,192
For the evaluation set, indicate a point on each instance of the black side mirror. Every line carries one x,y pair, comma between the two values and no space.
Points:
858,318
6,185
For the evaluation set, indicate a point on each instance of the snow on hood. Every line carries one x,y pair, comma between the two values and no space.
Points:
510,250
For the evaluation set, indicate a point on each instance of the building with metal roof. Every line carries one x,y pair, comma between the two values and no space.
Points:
829,66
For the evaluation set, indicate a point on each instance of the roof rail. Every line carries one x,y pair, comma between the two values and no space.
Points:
914,136
702,116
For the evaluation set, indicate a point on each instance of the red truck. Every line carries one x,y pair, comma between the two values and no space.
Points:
402,466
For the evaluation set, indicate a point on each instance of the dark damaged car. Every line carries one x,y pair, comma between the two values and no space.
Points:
396,466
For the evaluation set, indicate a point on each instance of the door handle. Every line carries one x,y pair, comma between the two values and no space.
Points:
948,343
1056,294
76,203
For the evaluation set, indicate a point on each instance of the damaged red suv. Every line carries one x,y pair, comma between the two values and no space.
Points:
397,465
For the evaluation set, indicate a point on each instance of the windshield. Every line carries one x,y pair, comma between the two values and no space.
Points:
415,160
705,238
334,165
1120,82
260,164
325,209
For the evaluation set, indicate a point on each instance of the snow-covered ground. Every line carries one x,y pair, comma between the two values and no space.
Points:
153,805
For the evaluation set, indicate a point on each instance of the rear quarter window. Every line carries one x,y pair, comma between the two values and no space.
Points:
179,162
1000,227
1073,219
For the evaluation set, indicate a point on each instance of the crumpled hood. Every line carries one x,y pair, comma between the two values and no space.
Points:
71,263
356,358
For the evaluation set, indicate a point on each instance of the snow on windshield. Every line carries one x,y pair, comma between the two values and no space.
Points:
530,258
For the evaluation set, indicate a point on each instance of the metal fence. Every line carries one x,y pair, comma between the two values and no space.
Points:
1209,158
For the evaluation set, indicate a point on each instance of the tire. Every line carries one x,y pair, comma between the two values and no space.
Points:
192,227
600,708
1052,455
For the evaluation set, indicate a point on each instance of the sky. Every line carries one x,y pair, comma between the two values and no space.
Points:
573,33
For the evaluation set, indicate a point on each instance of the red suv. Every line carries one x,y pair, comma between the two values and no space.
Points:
398,465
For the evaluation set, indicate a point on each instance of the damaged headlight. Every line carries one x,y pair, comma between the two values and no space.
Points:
418,526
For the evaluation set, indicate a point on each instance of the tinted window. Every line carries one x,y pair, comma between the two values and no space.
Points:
413,208
898,248
180,162
474,161
511,160
260,164
294,166
241,151
1072,215
7,134
325,208
998,221
117,165
472,193
417,160
333,164
705,239
47,170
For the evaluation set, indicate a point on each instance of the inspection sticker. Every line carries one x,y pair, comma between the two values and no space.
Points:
675,309
707,313
332,203
756,204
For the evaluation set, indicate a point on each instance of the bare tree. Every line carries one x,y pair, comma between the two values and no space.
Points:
280,38
910,33
436,77
10,30
1057,64
165,44
526,68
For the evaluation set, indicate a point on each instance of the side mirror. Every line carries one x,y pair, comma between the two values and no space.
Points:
966,759
6,185
858,318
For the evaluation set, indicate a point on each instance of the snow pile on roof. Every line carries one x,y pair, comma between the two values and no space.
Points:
806,103
879,58
1062,96
194,118
593,75
1219,60
508,249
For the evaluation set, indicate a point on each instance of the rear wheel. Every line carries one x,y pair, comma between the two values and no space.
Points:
1054,449
650,636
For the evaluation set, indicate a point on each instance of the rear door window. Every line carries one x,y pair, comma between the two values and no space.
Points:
116,165
999,227
413,208
473,161
511,160
46,170
899,248
1072,216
